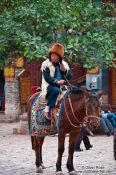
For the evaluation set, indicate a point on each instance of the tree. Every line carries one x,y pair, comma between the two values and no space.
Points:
86,30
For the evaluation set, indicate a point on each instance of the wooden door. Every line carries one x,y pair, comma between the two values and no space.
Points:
25,90
34,68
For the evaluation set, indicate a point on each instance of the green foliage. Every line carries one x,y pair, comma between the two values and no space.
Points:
28,27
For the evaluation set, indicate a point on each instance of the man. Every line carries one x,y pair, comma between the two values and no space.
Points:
83,135
112,118
54,70
106,125
107,120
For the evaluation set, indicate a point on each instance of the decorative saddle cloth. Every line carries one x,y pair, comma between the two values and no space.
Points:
39,125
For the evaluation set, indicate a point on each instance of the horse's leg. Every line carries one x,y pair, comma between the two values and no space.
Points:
42,140
38,154
72,141
61,140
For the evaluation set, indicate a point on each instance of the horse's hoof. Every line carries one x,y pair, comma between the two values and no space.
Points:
43,167
59,173
39,169
73,173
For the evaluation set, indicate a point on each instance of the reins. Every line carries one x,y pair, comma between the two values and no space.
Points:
76,126
70,103
86,118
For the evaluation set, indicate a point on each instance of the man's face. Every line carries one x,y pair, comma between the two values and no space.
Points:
54,58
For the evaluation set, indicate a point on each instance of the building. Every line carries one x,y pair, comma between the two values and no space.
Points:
104,80
19,82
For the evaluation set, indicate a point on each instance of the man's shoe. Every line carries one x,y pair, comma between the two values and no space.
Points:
79,150
89,147
108,134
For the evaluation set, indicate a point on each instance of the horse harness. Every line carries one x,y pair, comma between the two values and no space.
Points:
86,118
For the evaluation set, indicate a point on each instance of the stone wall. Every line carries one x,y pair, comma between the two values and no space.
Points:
12,99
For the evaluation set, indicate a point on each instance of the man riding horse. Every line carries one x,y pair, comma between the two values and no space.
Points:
54,70
79,107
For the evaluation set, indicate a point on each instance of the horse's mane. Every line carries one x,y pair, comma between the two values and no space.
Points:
76,90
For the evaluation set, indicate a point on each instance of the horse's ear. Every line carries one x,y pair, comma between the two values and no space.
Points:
87,93
100,93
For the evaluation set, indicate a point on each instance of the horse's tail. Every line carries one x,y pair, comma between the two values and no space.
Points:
29,104
115,145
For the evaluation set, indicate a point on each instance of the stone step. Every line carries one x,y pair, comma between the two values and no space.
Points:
7,118
23,125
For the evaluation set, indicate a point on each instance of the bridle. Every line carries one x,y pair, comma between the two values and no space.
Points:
86,120
87,117
70,103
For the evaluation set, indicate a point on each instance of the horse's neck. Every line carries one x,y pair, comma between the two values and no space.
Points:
79,106
79,103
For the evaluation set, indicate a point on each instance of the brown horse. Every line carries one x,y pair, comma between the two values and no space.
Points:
77,106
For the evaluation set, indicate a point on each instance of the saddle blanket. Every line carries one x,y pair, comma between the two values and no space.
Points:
39,125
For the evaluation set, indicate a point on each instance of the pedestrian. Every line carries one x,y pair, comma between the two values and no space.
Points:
54,70
106,125
83,135
107,120
112,118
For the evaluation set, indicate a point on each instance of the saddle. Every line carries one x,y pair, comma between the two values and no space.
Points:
54,112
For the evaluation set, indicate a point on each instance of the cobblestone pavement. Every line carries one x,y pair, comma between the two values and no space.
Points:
17,157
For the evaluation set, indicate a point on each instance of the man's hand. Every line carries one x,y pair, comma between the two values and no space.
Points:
60,82
62,68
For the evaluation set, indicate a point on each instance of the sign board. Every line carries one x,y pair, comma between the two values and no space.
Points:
9,72
92,82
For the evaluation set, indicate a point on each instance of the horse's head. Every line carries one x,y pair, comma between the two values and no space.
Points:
86,105
92,107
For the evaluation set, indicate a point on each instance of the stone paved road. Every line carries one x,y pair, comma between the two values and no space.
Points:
17,158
